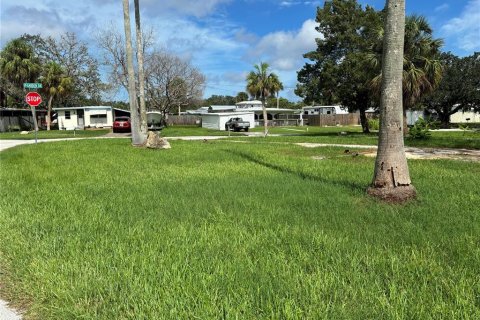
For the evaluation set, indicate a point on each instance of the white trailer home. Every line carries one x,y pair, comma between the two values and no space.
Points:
87,117
314,110
216,121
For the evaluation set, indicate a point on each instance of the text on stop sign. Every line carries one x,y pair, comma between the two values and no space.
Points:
33,98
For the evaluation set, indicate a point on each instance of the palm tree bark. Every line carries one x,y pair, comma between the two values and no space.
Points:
141,72
132,92
391,181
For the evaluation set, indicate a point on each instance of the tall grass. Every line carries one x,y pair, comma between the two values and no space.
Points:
101,230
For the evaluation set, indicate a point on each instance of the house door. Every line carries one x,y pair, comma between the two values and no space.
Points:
80,116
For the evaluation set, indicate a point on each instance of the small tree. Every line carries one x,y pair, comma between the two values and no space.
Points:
55,84
262,83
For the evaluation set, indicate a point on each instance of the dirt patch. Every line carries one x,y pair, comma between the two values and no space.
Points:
432,154
411,153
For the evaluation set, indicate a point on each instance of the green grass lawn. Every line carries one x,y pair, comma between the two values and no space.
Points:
179,131
54,134
97,229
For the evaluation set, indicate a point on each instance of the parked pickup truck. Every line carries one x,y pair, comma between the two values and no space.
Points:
237,124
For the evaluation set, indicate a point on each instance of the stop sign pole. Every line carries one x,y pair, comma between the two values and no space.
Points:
33,99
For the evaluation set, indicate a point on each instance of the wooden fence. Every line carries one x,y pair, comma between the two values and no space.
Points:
184,120
332,119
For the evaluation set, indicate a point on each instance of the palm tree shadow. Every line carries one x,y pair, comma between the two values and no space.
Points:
353,186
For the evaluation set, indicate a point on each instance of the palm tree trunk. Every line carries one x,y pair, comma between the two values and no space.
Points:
132,92
391,181
141,73
49,112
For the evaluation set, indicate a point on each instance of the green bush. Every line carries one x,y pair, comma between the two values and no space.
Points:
420,130
374,124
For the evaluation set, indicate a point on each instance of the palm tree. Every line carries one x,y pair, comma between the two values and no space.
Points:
141,72
54,83
137,138
391,181
261,84
18,64
422,68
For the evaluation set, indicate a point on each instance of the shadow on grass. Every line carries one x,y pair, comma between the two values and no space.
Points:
353,186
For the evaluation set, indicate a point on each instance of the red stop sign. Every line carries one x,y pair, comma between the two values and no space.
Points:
33,99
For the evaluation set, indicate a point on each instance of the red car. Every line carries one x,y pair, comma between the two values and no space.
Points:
122,124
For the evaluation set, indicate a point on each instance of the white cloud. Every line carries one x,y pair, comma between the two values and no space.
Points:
442,7
289,3
464,31
284,50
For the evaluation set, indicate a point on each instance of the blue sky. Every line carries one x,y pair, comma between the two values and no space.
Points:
224,38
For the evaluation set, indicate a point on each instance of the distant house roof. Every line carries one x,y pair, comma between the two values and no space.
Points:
221,108
248,103
86,107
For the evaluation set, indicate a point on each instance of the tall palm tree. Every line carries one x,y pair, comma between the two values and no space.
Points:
137,138
55,84
422,68
261,84
391,181
141,72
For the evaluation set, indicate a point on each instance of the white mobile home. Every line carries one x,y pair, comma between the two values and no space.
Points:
314,110
217,121
87,117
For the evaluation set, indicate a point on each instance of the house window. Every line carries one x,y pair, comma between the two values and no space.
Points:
67,114
98,119
329,112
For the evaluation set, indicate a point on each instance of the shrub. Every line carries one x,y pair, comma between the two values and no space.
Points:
420,130
374,124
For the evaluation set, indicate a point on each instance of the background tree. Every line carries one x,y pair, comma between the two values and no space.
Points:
74,58
277,86
241,96
283,103
220,100
339,72
262,83
422,69
459,88
55,84
172,82
18,64
391,181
